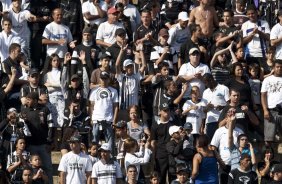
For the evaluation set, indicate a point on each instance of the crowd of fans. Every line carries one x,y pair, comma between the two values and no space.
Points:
178,90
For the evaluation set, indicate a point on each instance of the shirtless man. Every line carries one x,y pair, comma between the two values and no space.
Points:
204,15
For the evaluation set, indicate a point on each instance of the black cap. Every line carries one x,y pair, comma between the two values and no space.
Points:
120,31
87,30
164,106
32,95
75,138
104,75
182,167
188,126
276,168
120,124
74,76
33,71
106,55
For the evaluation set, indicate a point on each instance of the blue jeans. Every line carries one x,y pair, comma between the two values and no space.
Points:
108,131
45,156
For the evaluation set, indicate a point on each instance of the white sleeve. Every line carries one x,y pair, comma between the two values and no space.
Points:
264,85
70,38
215,140
267,29
171,32
94,171
47,32
143,160
118,173
244,29
92,95
185,106
100,31
63,165
88,165
182,70
274,34
115,97
85,8
226,94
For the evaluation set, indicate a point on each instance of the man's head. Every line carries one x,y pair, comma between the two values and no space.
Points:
146,17
245,161
278,68
252,13
243,140
105,60
105,151
188,127
112,15
240,5
75,81
74,142
33,76
183,19
194,56
87,34
163,68
195,30
174,132
27,175
12,115
128,66
104,78
234,96
164,111
74,106
182,173
228,16
276,170
17,3
121,129
7,25
209,80
57,15
32,99
131,173
163,35
14,50
120,35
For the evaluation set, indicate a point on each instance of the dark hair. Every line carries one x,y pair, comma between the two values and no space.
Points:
193,27
6,19
251,7
17,140
146,10
233,68
69,131
270,49
234,90
131,166
13,47
129,143
240,136
203,141
119,5
136,107
267,149
34,155
229,11
278,61
167,83
94,144
254,66
154,174
163,64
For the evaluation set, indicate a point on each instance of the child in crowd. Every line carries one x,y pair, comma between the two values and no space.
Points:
38,175
27,176
93,150
193,110
255,78
154,178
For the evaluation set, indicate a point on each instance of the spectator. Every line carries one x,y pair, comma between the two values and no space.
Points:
240,16
75,166
154,178
39,176
17,160
275,37
106,170
52,80
265,165
106,30
277,170
216,96
270,56
255,35
27,175
136,158
193,71
57,36
132,12
125,20
39,121
271,100
188,150
103,110
244,172
205,168
131,174
183,174
179,33
93,153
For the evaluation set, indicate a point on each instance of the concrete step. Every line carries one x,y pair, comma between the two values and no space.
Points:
56,157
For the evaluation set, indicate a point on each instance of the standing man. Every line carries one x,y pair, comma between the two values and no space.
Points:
39,121
57,36
255,36
75,166
271,100
276,37
132,12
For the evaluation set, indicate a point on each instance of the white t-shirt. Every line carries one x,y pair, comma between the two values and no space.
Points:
195,117
106,173
188,69
178,36
75,166
276,32
156,54
253,48
89,7
55,32
273,87
218,97
106,32
7,4
6,41
132,12
129,88
19,23
104,98
220,140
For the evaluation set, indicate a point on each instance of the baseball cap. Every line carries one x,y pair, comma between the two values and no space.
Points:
173,129
105,147
163,32
182,167
120,124
276,168
120,31
127,62
74,76
188,126
104,75
75,138
164,106
183,16
33,71
191,51
106,55
87,30
32,95
112,10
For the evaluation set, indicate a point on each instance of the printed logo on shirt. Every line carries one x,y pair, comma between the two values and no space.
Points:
75,166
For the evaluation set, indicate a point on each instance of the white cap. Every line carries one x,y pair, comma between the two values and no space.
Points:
173,129
183,16
105,147
127,62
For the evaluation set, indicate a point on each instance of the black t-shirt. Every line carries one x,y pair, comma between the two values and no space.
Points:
159,133
239,177
185,47
266,179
